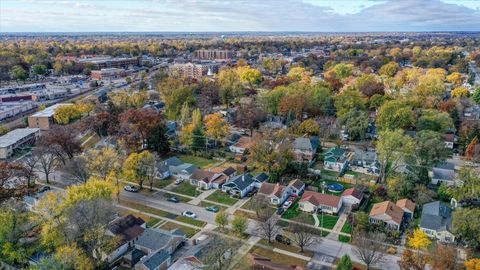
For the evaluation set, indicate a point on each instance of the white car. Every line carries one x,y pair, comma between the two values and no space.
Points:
287,204
178,181
189,214
131,188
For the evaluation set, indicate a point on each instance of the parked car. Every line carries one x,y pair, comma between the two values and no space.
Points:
283,239
43,189
212,208
287,204
178,181
131,188
173,199
280,211
189,214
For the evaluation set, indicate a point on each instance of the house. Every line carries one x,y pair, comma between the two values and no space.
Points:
222,175
436,221
296,186
408,208
352,197
365,161
187,263
240,185
387,214
183,171
276,193
314,202
444,173
157,245
259,262
202,178
241,145
163,169
450,139
335,159
305,148
260,179
127,229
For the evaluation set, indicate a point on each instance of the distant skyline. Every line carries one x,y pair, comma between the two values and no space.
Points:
238,15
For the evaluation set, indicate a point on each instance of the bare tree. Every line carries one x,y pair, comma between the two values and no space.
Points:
302,234
369,248
77,168
267,225
29,168
218,256
47,161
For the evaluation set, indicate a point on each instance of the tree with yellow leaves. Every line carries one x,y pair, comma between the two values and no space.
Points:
250,76
472,264
216,127
63,115
455,78
419,240
73,257
140,167
300,74
460,92
101,162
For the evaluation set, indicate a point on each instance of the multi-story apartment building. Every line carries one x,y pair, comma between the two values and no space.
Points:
98,63
214,54
192,70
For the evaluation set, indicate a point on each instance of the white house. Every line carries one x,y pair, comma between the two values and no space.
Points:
352,197
436,221
314,202
239,185
241,145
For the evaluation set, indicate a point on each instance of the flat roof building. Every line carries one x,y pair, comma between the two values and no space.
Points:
108,73
17,139
44,119
214,54
109,62
192,70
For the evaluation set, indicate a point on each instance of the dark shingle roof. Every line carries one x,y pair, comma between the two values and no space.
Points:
304,143
436,216
240,181
173,161
156,259
153,238
262,177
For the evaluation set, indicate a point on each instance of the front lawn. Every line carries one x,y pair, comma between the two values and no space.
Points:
278,258
343,238
292,212
191,221
221,197
198,161
328,221
187,230
163,182
291,248
347,228
186,188
152,222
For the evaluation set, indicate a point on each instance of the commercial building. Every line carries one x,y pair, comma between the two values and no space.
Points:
108,73
44,119
192,70
214,54
17,139
12,109
98,63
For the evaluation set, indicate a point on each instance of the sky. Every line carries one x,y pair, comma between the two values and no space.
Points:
238,15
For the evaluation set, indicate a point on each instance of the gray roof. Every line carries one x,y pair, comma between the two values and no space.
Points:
155,260
446,166
173,161
153,238
162,168
189,168
436,216
16,135
50,111
241,181
262,177
304,143
443,174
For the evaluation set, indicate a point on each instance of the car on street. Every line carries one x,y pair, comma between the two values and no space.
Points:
189,214
280,211
173,199
283,239
131,188
212,208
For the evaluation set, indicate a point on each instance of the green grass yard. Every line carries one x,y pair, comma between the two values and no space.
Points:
186,188
198,161
187,230
221,197
328,221
347,228
163,182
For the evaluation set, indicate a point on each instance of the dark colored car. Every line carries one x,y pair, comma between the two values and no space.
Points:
43,189
282,239
173,199
212,208
280,211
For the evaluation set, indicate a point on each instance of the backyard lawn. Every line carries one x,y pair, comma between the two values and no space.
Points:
222,197
186,188
328,182
328,221
198,161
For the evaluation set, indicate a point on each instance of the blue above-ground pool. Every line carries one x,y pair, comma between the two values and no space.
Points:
336,187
